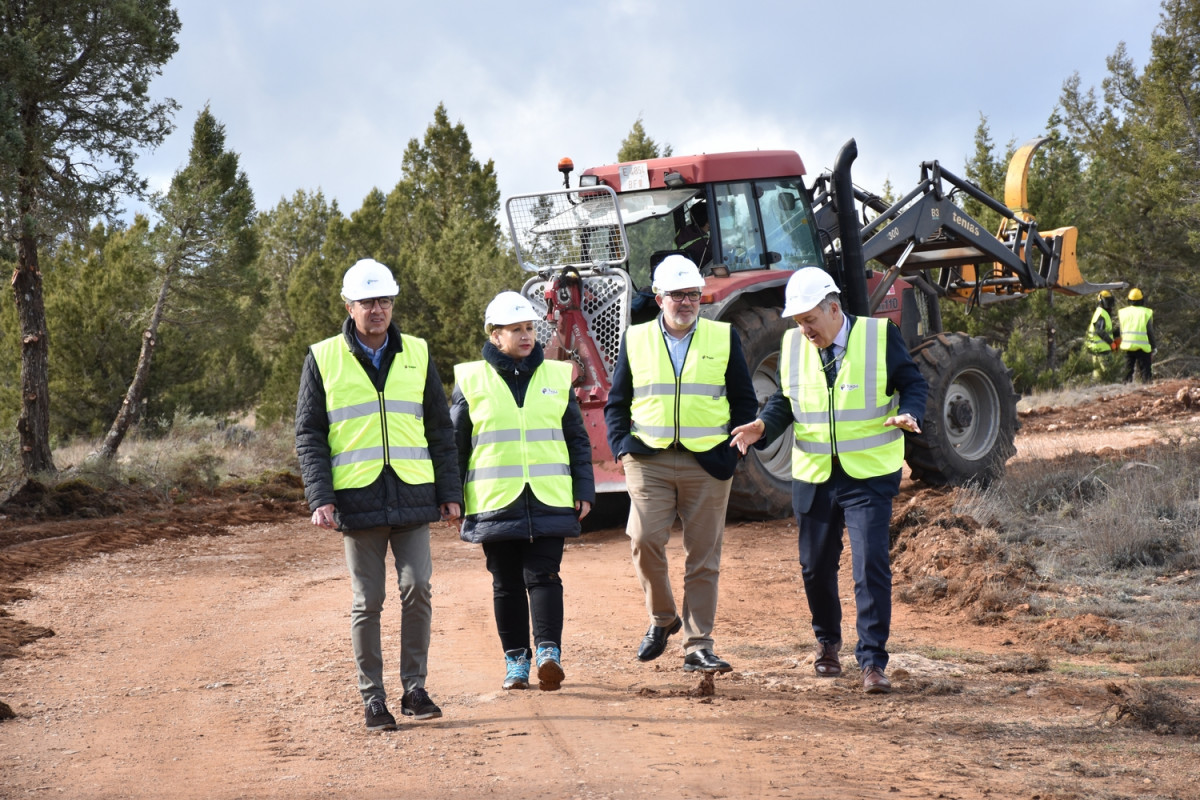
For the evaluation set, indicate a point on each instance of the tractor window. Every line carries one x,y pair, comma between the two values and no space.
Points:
788,223
646,237
739,227
649,219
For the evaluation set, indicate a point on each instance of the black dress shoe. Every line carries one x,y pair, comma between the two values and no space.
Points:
704,661
656,640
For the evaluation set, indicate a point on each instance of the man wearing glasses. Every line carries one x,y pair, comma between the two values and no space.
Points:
680,385
379,464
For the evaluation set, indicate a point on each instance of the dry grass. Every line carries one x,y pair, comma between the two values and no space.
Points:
1113,537
1153,708
1069,396
197,454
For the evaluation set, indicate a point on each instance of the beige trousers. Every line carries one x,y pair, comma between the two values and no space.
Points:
662,486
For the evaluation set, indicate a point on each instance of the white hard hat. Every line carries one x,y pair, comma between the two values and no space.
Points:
508,308
368,279
807,287
676,272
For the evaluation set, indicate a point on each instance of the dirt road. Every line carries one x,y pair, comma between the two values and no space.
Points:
219,666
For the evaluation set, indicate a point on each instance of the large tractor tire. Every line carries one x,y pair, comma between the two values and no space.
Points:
971,414
762,485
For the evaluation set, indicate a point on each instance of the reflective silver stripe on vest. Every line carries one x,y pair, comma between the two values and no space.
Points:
499,473
494,473
852,445
514,435
367,409
376,453
545,435
409,453
664,432
548,470
698,389
404,407
353,412
354,456
852,415
496,437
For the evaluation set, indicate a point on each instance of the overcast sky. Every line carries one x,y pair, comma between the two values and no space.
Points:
325,95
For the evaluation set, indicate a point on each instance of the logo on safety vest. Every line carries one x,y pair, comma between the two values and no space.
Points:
848,387
548,390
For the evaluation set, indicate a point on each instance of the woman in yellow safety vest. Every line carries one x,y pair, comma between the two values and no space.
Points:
526,461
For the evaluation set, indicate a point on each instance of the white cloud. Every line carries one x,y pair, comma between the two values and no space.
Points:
320,95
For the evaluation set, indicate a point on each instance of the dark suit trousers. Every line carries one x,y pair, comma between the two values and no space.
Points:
865,513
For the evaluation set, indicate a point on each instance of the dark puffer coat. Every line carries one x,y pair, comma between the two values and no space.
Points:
389,500
526,517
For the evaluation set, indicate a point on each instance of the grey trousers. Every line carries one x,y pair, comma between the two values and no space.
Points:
366,556
662,486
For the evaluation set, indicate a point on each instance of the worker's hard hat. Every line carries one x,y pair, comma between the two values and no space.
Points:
368,279
1105,294
675,273
508,308
1135,293
807,287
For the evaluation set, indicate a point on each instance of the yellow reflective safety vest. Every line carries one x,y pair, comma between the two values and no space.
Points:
368,428
1135,327
1094,343
691,409
512,445
845,420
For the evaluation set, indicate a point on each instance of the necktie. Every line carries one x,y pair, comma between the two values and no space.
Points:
830,365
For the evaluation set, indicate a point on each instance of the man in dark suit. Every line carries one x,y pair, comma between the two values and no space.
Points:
849,389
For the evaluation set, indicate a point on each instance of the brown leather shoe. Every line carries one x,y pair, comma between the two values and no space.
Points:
828,665
875,682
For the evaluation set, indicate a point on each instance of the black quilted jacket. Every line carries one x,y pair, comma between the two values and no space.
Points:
389,500
526,517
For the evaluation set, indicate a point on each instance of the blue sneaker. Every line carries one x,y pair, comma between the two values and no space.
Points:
517,662
549,667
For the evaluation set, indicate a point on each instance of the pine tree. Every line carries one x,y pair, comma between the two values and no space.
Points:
638,146
291,238
74,110
205,287
1139,203
442,239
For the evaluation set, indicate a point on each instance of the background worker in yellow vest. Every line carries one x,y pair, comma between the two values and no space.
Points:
849,388
377,457
1103,336
680,384
693,239
1137,336
526,462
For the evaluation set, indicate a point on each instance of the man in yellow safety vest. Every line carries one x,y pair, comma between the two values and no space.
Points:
680,383
1103,337
1137,336
848,390
379,464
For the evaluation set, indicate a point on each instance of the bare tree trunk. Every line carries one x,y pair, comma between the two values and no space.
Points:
33,425
133,397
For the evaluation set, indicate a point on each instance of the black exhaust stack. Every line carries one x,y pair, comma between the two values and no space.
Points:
853,277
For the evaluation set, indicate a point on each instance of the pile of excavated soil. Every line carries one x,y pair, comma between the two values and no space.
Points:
943,558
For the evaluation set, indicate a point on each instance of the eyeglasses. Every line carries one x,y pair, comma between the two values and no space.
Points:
384,303
679,297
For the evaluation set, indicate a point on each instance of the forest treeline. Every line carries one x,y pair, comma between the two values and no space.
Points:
205,304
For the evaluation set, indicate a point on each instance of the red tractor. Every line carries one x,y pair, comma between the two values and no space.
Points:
750,220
